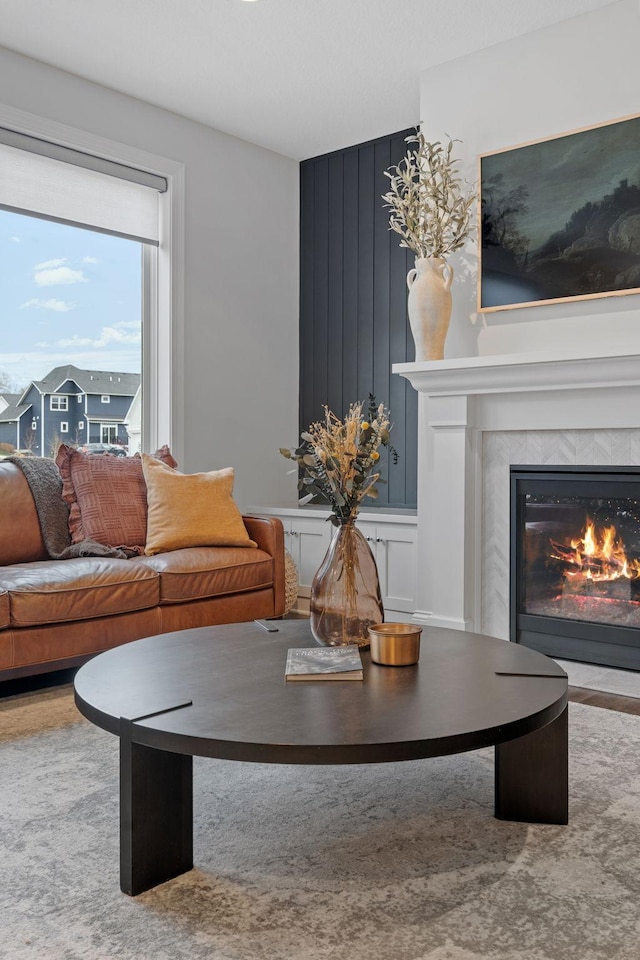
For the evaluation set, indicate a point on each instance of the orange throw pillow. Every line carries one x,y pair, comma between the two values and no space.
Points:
191,510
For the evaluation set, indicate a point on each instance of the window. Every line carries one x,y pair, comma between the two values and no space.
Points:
34,425
108,433
78,225
81,425
150,211
64,427
68,309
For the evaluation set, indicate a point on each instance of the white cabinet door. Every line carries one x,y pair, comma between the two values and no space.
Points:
394,547
307,541
369,532
396,554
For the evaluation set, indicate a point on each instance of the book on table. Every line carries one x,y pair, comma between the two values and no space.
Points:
324,663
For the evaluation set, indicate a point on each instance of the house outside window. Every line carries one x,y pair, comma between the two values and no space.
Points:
105,398
108,433
81,425
34,425
59,403
64,427
80,398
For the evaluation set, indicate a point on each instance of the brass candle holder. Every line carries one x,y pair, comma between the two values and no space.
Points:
395,644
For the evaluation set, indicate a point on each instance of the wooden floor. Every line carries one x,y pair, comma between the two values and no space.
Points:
610,701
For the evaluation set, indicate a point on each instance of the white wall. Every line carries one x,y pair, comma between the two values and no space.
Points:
573,74
241,272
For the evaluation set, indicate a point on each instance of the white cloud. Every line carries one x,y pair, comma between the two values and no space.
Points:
59,275
109,336
75,342
50,263
128,325
60,306
90,260
15,239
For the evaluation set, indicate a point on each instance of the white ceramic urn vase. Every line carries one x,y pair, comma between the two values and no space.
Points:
429,306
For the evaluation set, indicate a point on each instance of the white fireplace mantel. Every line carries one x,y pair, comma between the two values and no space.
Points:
518,373
461,400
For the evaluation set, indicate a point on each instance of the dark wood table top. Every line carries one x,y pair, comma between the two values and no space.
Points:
467,691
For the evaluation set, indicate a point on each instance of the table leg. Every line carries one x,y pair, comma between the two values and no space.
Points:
532,775
156,814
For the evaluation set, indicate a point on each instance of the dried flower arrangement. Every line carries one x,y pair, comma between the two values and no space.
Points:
430,204
338,459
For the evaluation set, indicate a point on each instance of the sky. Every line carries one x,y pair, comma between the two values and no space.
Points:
67,295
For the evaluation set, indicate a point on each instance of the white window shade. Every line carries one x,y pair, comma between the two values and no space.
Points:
69,193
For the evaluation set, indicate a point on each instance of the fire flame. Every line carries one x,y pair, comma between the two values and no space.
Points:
599,555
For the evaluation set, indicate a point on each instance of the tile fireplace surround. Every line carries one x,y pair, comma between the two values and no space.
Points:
477,416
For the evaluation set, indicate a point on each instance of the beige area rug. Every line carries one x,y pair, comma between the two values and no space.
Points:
387,862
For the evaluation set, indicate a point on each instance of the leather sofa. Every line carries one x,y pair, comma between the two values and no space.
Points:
56,614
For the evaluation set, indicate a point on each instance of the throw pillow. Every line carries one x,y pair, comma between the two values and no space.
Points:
107,497
191,510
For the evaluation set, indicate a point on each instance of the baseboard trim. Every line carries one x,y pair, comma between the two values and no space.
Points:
424,618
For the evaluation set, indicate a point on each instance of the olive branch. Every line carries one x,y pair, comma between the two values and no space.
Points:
430,204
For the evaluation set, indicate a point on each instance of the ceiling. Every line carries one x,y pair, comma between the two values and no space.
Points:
301,77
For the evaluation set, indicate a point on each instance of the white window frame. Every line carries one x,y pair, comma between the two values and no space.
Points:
34,424
80,424
109,429
64,426
61,404
79,398
163,291
105,398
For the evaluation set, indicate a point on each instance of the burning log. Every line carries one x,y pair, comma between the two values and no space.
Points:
597,566
604,566
582,586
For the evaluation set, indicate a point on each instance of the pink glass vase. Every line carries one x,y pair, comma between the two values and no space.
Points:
345,593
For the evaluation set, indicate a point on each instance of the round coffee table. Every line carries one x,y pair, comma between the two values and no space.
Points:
220,692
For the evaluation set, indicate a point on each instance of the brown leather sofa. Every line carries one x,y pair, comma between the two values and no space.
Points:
58,613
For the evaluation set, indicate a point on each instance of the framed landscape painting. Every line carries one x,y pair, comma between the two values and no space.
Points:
560,218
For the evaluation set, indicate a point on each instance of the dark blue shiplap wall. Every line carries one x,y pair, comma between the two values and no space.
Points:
353,300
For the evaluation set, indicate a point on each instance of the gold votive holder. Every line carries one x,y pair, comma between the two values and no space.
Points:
395,644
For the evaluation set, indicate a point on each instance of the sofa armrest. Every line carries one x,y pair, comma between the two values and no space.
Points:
268,533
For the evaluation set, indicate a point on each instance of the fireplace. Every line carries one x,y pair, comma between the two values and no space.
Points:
575,562
479,415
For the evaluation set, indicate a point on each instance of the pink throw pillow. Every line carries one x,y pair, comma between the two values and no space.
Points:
107,496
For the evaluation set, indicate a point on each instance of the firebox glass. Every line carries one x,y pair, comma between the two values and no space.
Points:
582,558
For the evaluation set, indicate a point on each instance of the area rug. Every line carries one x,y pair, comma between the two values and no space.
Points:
385,862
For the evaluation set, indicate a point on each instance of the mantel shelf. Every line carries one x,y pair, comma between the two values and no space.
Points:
520,373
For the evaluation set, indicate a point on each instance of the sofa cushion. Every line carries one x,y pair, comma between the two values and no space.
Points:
107,496
20,536
52,591
191,510
201,572
4,609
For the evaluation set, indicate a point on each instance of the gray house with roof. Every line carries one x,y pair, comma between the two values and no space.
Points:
11,412
73,406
